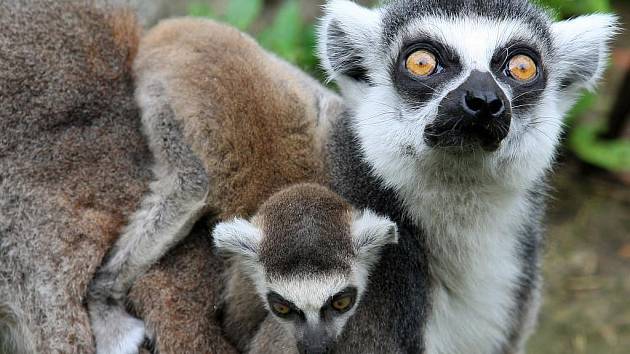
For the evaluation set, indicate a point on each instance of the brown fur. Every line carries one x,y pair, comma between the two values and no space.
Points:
73,163
179,298
250,119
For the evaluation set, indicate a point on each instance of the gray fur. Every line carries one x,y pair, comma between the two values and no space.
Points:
15,337
73,162
167,214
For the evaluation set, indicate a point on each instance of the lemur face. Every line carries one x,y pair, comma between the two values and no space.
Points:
309,255
443,83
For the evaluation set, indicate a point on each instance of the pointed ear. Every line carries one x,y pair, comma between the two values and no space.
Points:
582,45
370,233
237,237
347,34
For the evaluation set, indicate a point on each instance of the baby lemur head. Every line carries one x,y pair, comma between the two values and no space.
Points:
309,254
477,89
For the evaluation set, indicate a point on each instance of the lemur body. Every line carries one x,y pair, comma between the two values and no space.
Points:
228,125
308,254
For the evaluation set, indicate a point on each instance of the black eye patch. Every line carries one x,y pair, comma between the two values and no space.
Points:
340,303
525,93
277,304
416,91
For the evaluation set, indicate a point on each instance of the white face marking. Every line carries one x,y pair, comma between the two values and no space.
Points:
387,127
309,294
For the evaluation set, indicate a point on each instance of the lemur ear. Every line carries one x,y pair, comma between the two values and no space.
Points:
237,237
582,45
370,233
347,35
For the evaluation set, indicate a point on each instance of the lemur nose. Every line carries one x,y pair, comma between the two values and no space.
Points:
479,104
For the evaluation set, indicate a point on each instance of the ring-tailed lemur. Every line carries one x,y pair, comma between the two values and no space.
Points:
456,110
228,124
308,254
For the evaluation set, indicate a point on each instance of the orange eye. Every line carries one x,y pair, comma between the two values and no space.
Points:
522,67
343,303
422,63
280,309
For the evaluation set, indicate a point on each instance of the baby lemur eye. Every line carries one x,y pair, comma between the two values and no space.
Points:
280,309
422,63
343,302
522,67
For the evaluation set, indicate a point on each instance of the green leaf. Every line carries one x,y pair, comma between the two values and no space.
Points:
610,155
242,13
284,35
199,9
568,8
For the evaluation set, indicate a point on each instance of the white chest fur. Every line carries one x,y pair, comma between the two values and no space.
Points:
472,235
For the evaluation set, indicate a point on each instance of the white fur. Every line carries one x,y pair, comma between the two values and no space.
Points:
363,26
239,237
471,207
310,293
120,333
370,232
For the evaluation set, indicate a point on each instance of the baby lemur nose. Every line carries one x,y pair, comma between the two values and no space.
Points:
475,113
316,341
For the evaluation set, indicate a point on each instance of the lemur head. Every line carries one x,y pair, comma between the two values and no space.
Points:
309,254
477,84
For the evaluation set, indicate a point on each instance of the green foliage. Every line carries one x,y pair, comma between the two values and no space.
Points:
568,8
610,155
287,35
242,13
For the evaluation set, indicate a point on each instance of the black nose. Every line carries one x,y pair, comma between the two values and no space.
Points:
477,113
483,104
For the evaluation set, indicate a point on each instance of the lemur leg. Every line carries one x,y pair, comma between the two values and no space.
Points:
176,200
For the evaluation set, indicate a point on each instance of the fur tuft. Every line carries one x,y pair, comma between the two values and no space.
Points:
15,337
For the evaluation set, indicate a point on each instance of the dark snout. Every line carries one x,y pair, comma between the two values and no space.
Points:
316,341
475,114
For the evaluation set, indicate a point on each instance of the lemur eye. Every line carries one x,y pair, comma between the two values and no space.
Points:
522,67
422,63
343,303
280,309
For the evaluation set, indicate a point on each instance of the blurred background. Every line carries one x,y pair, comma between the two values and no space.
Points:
587,261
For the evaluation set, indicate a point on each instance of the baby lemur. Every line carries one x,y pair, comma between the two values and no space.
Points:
307,254
228,124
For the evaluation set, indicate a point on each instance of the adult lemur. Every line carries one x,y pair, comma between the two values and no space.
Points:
457,106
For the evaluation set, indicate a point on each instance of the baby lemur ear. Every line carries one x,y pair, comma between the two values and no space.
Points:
582,46
347,35
237,237
370,233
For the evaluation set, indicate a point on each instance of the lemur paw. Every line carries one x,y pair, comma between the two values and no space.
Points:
116,331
